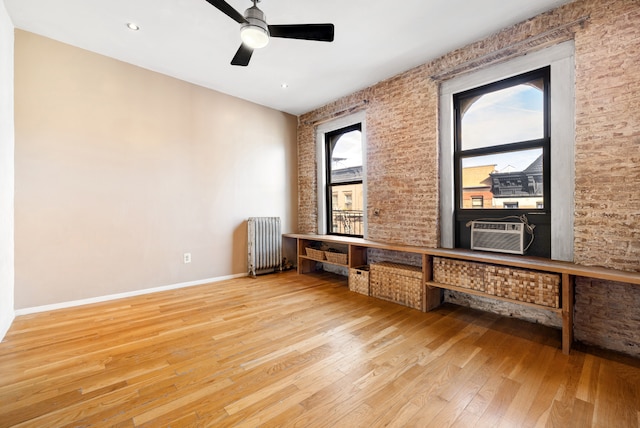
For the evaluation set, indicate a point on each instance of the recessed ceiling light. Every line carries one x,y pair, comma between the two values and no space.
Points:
284,85
133,27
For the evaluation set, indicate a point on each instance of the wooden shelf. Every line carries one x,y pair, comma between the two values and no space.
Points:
322,261
491,296
527,262
356,255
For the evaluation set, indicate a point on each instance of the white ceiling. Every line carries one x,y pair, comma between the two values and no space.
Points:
193,41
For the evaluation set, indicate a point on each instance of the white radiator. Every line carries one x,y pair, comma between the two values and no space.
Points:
264,245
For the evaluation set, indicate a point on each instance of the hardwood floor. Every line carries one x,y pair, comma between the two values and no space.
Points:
303,351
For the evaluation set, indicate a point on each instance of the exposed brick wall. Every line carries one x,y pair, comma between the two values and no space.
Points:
506,309
402,145
307,181
376,255
402,161
402,157
607,315
607,212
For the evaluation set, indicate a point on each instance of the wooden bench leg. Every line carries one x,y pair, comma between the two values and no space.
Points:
567,312
432,295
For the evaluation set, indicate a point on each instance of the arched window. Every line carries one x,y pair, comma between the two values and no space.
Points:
344,189
502,155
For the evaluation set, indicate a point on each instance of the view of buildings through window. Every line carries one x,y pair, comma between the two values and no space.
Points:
501,140
486,186
344,183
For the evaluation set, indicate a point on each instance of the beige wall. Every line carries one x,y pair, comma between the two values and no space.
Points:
120,170
6,172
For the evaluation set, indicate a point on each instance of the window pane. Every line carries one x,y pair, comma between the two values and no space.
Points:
503,180
504,116
347,210
346,158
477,201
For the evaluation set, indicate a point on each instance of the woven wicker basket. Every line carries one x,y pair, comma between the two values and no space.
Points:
315,254
459,273
334,257
359,280
397,283
523,285
517,284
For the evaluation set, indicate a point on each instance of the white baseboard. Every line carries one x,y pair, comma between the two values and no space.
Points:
63,305
5,324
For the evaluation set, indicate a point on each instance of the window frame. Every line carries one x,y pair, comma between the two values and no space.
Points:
330,139
542,216
561,59
320,131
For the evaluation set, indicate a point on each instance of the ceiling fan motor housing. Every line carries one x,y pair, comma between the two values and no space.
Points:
255,32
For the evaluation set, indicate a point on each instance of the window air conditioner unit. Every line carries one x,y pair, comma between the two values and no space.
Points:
500,237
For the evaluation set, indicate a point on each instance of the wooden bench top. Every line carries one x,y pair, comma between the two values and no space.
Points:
527,262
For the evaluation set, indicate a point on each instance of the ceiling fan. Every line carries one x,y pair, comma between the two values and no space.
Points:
255,32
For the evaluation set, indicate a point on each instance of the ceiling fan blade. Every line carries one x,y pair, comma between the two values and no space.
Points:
243,56
319,32
224,7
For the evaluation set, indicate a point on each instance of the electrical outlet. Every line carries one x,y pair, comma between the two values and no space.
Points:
187,257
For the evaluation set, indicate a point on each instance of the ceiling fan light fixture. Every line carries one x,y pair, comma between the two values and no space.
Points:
254,36
255,33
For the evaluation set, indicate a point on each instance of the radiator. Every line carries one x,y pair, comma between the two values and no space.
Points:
264,245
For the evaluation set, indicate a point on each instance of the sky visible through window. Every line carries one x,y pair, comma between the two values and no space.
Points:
505,116
348,151
505,162
509,115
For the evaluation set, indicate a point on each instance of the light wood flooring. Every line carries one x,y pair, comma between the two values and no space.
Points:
301,351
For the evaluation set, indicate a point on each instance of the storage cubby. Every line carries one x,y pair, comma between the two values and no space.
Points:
331,250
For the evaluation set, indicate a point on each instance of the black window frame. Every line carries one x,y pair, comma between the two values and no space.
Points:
330,139
541,217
